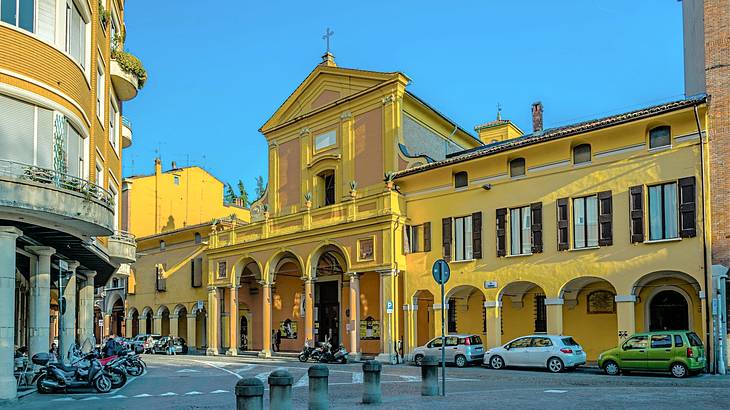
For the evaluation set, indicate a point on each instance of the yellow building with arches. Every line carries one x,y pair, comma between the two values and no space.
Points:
595,230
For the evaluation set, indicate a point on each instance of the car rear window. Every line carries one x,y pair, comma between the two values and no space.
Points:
569,341
694,340
475,340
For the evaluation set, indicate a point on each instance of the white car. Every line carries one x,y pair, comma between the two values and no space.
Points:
460,350
553,352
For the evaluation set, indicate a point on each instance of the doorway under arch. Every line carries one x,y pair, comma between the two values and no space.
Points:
668,310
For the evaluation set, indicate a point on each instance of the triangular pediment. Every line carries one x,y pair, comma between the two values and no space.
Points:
324,86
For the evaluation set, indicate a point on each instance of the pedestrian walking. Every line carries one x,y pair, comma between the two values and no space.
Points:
277,340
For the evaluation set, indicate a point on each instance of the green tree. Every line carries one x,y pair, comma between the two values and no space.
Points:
242,194
229,196
260,186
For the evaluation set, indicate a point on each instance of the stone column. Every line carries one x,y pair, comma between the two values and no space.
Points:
494,323
40,301
128,328
233,321
86,307
266,309
192,331
8,237
156,324
173,325
142,324
554,309
308,309
354,316
625,316
389,329
213,321
68,330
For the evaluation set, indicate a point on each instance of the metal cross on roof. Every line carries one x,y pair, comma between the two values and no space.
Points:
327,36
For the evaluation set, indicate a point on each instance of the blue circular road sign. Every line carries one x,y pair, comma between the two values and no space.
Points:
441,271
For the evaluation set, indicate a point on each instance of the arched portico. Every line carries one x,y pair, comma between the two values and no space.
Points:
162,321
146,320
523,311
590,299
249,307
465,310
668,300
132,322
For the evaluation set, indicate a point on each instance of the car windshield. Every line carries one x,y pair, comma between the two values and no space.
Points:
694,340
569,341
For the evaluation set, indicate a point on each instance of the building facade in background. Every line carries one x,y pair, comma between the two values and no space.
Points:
64,76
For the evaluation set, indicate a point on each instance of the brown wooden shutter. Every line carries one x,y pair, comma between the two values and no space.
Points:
196,267
446,238
536,226
687,208
427,237
502,232
636,206
563,224
476,232
605,219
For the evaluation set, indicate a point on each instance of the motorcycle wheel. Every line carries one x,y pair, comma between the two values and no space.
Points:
135,369
303,358
118,378
102,384
41,388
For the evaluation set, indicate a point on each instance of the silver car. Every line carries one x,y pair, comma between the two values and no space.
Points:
460,350
553,352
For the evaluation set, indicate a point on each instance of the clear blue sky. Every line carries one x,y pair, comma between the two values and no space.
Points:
216,73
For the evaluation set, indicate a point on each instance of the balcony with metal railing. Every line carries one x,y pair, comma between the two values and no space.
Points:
122,247
126,132
41,196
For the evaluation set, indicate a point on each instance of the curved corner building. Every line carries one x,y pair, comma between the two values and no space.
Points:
61,140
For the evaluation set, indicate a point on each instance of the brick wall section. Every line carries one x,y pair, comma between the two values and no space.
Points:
717,70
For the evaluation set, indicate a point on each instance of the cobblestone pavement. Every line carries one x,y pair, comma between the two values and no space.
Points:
199,382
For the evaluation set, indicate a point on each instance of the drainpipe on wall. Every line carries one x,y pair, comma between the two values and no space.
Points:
708,302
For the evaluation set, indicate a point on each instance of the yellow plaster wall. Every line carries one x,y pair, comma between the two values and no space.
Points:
370,306
596,332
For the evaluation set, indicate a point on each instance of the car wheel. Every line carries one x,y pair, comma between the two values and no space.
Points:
418,359
679,370
460,361
496,363
555,365
611,368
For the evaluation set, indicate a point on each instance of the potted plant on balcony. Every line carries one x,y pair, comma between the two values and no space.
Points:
389,177
266,211
308,200
127,61
104,15
353,189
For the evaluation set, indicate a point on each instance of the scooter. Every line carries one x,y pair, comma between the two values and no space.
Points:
114,367
306,352
330,355
56,376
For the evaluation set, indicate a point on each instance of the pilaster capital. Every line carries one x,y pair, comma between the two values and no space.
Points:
89,274
345,116
265,284
353,275
625,298
387,100
155,317
72,265
388,272
307,279
492,304
192,315
41,250
212,289
553,301
304,132
174,316
10,232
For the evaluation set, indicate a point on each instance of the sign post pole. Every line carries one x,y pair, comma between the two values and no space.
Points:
441,274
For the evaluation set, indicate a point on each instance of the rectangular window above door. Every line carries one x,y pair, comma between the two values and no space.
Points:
325,140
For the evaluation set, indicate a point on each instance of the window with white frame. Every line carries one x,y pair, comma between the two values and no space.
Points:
585,222
75,153
99,174
520,231
113,122
100,91
463,238
663,214
75,33
325,140
26,133
19,13
115,197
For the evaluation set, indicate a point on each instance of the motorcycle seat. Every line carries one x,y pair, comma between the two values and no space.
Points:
64,368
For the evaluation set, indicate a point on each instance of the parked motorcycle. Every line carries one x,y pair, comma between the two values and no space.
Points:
56,376
134,364
306,352
330,355
114,367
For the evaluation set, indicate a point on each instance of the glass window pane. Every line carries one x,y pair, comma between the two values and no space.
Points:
16,130
659,137
526,231
592,220
459,239
670,211
579,223
467,238
655,212
26,14
514,221
581,154
7,12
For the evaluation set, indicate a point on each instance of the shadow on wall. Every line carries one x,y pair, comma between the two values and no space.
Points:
170,225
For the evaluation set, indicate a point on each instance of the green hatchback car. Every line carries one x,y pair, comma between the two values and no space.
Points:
677,351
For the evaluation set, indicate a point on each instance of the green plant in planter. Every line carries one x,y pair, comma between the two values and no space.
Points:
127,61
104,15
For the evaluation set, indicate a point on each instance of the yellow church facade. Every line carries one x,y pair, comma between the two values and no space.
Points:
595,230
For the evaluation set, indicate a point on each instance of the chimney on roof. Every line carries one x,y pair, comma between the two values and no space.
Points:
174,165
537,117
158,166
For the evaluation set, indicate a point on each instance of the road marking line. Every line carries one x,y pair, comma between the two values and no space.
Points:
187,371
118,396
220,368
303,381
555,391
264,377
143,395
357,378
168,394
90,398
192,393
246,367
65,399
219,391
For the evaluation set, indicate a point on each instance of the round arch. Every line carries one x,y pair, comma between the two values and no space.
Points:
667,288
517,290
146,311
111,301
277,260
651,277
570,289
179,308
332,248
131,311
247,266
465,310
162,310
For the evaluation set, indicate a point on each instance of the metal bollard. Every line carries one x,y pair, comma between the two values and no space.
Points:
318,387
430,376
280,382
250,394
371,382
